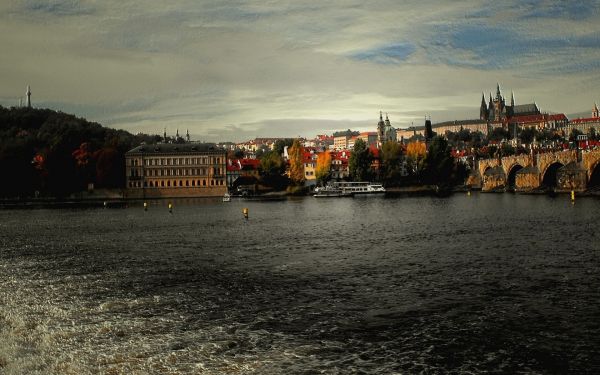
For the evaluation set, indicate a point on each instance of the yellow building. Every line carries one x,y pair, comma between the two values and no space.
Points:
175,170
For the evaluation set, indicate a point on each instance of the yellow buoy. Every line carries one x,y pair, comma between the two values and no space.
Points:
170,208
572,195
145,206
245,212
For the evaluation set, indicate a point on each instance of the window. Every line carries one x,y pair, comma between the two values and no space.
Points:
180,183
187,183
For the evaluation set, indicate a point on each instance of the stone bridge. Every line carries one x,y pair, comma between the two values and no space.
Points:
560,170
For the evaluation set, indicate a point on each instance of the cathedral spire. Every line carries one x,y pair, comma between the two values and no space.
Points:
512,98
498,95
483,112
187,135
165,135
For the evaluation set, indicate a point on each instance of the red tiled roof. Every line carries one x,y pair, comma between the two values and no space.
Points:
584,120
538,118
235,164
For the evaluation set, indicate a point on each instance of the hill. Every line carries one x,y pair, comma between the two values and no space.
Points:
55,153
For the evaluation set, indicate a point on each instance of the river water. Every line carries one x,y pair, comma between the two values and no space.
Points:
487,283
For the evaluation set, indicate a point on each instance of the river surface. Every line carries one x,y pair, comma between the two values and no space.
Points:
487,283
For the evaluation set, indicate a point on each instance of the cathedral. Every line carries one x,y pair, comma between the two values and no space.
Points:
497,110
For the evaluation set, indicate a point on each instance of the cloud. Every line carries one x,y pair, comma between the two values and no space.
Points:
236,69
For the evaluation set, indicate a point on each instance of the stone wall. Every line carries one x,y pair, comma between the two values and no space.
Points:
183,192
527,179
572,176
494,179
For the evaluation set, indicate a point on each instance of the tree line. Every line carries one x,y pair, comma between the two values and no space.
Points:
50,153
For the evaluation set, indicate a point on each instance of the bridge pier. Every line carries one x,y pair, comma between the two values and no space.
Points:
494,179
571,177
527,179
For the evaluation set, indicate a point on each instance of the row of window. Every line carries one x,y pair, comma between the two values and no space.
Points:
177,172
176,183
176,161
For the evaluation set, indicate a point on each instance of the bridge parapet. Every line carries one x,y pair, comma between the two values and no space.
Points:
508,162
485,164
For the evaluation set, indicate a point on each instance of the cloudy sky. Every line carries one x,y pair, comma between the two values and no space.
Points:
235,70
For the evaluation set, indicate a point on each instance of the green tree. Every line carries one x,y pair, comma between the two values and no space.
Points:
592,135
272,163
391,162
360,161
527,135
439,164
280,144
507,150
498,134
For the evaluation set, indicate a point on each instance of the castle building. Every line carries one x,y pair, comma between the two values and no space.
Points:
584,125
168,170
497,111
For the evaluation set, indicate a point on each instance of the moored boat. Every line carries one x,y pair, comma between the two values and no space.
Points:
355,188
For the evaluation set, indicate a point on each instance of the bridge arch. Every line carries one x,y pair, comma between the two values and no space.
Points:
550,173
594,173
511,176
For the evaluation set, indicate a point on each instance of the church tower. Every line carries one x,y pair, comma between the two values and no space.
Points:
28,93
595,111
483,111
380,130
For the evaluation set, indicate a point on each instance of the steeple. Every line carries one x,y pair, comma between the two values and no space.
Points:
483,112
187,135
512,98
387,120
595,111
177,134
165,135
28,93
498,96
380,116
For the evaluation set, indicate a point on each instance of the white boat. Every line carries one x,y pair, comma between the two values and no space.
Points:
226,197
355,188
329,192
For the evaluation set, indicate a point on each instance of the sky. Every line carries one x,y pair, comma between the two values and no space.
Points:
233,70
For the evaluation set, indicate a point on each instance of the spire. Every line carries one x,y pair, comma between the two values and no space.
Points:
165,135
483,108
177,134
380,116
187,135
498,90
512,98
595,111
28,93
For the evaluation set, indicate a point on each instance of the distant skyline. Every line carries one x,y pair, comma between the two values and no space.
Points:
235,70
